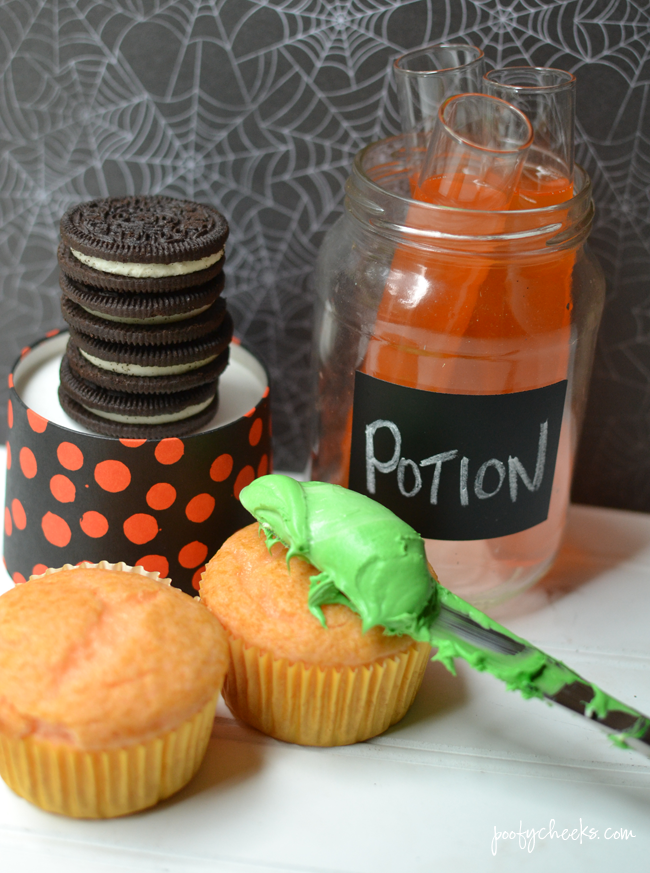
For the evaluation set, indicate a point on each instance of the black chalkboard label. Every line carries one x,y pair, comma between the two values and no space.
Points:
456,466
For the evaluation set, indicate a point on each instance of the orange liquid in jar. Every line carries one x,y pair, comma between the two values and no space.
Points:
483,325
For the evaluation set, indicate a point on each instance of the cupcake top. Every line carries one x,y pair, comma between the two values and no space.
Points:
263,603
101,659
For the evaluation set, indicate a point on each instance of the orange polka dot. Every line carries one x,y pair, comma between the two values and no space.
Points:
244,477
255,433
112,476
8,457
140,528
36,422
151,563
196,578
56,529
192,555
263,466
27,462
169,450
266,393
8,524
10,380
161,496
200,507
19,579
10,413
62,489
53,332
93,524
221,468
132,444
38,569
24,351
18,512
250,413
70,456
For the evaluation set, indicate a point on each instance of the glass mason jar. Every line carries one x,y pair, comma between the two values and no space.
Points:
453,350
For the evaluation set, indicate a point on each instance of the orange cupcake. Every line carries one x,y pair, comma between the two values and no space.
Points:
108,684
289,676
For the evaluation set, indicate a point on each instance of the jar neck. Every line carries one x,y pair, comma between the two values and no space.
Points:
378,196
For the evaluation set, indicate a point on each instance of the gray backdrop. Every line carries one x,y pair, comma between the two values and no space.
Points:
258,107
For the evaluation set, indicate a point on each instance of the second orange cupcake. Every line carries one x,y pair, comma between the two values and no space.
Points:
290,677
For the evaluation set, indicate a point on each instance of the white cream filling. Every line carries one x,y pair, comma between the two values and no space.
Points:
147,271
155,319
165,418
140,370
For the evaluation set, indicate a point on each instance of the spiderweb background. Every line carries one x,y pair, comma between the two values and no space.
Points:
258,106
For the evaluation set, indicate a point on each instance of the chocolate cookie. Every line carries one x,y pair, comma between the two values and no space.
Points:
131,415
147,229
136,431
123,382
142,308
144,334
135,360
74,268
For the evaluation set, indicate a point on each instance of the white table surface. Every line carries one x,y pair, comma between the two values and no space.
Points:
428,795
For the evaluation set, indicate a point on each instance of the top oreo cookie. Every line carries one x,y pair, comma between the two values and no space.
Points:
151,236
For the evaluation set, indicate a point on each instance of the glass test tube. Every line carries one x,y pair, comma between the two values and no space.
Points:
547,97
424,78
428,75
476,153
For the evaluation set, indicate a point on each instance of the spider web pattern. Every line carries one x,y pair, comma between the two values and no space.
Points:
258,107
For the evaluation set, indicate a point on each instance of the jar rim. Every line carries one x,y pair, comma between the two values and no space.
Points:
387,210
581,181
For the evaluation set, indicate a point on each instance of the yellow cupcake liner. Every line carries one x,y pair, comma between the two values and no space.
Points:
321,706
120,567
105,784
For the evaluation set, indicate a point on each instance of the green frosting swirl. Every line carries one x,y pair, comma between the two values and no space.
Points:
369,559
374,563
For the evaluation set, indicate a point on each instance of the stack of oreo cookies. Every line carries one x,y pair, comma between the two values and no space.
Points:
149,332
